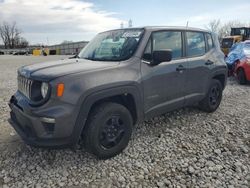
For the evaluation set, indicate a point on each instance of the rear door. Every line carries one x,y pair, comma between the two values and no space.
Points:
200,62
164,84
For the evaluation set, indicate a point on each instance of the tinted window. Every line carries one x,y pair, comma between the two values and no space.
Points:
227,42
165,40
148,51
116,45
209,41
195,44
168,40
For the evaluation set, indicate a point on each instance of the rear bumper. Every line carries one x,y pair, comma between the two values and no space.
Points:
39,130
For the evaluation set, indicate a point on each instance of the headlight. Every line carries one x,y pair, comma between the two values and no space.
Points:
44,89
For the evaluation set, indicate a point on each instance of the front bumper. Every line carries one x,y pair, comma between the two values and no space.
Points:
49,127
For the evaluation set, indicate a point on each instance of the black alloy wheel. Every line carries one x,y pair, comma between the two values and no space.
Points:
214,95
213,98
108,130
112,132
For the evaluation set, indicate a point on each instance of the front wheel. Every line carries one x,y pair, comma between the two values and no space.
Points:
213,98
108,131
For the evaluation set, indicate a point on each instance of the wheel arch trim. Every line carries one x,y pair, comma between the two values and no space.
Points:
86,104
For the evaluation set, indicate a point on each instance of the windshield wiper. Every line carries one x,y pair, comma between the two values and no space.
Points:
74,57
88,58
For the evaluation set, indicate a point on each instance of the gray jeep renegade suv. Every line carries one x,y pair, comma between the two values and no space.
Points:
119,79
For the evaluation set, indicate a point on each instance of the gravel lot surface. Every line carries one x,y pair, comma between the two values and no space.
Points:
185,148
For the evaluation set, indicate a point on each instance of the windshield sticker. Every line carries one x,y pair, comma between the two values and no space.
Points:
131,34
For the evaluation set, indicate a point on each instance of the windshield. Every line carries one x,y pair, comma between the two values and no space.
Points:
114,45
227,43
238,31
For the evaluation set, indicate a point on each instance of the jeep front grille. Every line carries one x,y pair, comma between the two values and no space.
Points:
24,86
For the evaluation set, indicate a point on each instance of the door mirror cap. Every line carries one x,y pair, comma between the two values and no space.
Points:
160,56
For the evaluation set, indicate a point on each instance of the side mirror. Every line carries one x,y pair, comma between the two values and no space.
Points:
74,57
160,56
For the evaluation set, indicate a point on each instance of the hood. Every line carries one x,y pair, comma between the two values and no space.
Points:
54,69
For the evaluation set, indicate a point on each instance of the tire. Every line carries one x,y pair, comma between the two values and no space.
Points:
241,77
213,98
108,130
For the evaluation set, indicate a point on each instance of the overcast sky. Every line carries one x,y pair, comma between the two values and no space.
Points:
54,21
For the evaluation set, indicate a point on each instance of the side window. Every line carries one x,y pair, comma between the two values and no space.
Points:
195,44
168,40
209,41
165,40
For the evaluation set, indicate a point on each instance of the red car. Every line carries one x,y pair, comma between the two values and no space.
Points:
242,67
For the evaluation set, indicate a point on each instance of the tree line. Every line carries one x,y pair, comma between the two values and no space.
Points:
11,36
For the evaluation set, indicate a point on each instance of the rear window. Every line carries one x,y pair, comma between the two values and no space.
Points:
227,43
195,44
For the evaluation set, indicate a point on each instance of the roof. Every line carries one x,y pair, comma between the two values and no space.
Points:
232,37
247,41
174,28
157,28
240,28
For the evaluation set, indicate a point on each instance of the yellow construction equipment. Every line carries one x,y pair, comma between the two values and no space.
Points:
238,34
38,52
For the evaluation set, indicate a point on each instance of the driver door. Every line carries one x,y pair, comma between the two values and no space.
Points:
164,84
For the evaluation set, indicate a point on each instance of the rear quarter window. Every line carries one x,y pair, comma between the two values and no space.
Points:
196,45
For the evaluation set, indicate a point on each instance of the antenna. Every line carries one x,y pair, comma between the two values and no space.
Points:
187,24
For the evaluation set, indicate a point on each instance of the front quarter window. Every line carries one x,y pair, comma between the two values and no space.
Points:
114,45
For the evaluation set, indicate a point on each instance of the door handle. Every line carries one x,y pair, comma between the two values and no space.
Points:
180,68
209,62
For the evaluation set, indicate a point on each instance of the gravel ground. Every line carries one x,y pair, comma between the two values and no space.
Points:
185,148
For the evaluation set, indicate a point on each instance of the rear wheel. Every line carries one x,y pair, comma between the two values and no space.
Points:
241,77
213,98
108,131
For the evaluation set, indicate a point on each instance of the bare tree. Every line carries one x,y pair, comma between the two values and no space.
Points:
10,34
225,29
3,34
22,43
214,26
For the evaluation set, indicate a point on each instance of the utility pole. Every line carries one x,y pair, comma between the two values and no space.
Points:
130,23
47,41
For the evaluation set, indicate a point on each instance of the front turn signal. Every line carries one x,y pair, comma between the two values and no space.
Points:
60,89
